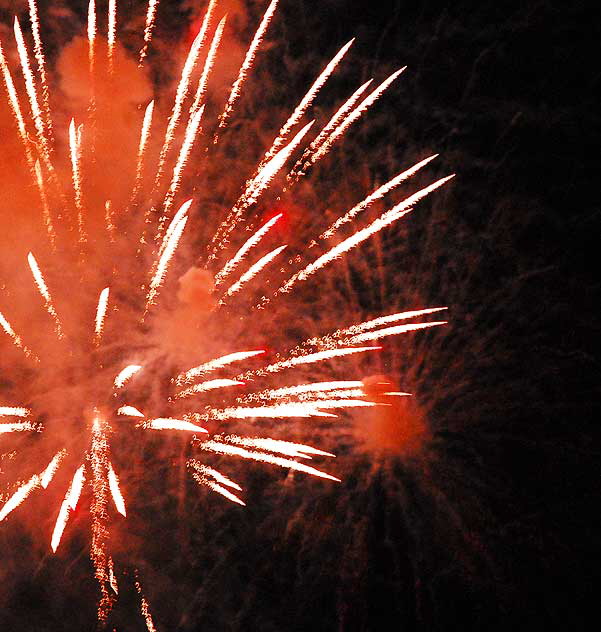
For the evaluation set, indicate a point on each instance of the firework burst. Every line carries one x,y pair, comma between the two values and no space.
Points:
105,268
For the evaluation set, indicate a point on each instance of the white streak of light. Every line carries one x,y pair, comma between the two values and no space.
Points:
19,496
14,411
69,504
275,445
340,114
31,92
130,411
379,193
15,338
307,100
74,150
206,71
232,450
248,245
182,90
103,302
209,385
393,331
386,320
126,374
354,116
45,208
169,423
310,358
177,228
218,476
278,411
144,137
39,56
215,364
216,487
115,490
16,427
148,28
314,387
249,58
394,214
91,31
43,288
48,474
253,271
112,31
182,160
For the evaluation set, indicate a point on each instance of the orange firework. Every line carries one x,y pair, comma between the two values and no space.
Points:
137,246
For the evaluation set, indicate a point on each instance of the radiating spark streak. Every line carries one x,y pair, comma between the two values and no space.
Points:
14,411
36,480
327,404
145,609
32,93
311,358
130,411
394,214
392,331
75,151
19,496
307,100
210,385
7,327
216,487
254,190
275,445
40,59
354,116
112,32
169,423
112,578
103,302
314,387
246,247
386,320
48,474
144,138
232,450
182,160
13,99
148,28
178,217
182,90
99,464
378,194
253,271
91,33
340,114
68,505
208,66
115,490
126,374
43,289
45,207
278,411
218,476
177,228
108,219
213,365
16,427
249,59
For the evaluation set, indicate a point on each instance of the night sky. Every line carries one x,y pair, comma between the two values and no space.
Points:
492,526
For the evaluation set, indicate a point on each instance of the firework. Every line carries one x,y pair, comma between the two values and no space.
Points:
146,234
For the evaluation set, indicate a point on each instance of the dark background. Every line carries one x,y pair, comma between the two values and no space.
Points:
495,527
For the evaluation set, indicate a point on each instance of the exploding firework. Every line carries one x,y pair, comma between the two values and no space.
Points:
150,318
